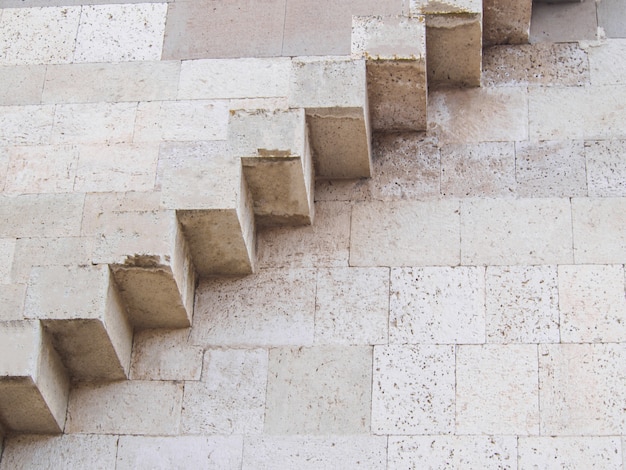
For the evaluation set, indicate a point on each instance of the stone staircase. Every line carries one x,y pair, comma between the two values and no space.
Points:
239,147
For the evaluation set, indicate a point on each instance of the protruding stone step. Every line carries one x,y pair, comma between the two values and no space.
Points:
334,95
277,164
395,50
206,187
506,21
81,308
34,385
453,40
151,263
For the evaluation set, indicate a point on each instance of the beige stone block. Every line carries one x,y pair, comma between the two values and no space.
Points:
26,125
506,21
405,234
342,190
496,390
434,7
479,115
599,230
486,169
118,33
21,85
606,168
41,215
569,452
38,35
83,311
112,82
152,266
33,384
231,78
94,123
314,452
606,62
207,452
522,304
127,407
7,255
12,301
437,305
96,452
231,397
41,169
323,244
512,232
334,93
165,355
581,388
592,304
413,389
269,308
577,113
437,452
322,390
352,306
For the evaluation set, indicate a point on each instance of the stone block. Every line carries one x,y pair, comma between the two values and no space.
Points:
437,452
564,21
31,36
395,49
415,233
12,301
150,260
609,18
496,390
437,306
599,230
606,168
98,204
231,78
26,125
117,82
120,33
322,390
276,157
230,398
83,311
206,187
352,306
606,62
126,407
334,94
551,453
34,387
21,85
516,232
413,391
95,452
207,452
269,308
7,255
506,21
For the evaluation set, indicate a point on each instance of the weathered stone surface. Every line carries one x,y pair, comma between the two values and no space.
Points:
606,62
12,301
506,22
7,255
26,125
21,85
606,168
230,399
599,230
34,386
405,234
322,390
569,452
413,391
563,22
496,390
437,306
127,407
609,15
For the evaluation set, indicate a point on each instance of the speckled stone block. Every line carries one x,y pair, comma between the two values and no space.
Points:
599,230
117,33
552,453
230,399
478,170
582,389
269,308
21,85
210,453
127,407
592,304
352,306
437,305
440,452
496,390
606,168
522,304
322,390
607,62
26,125
520,231
413,391
314,452
506,22
405,234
